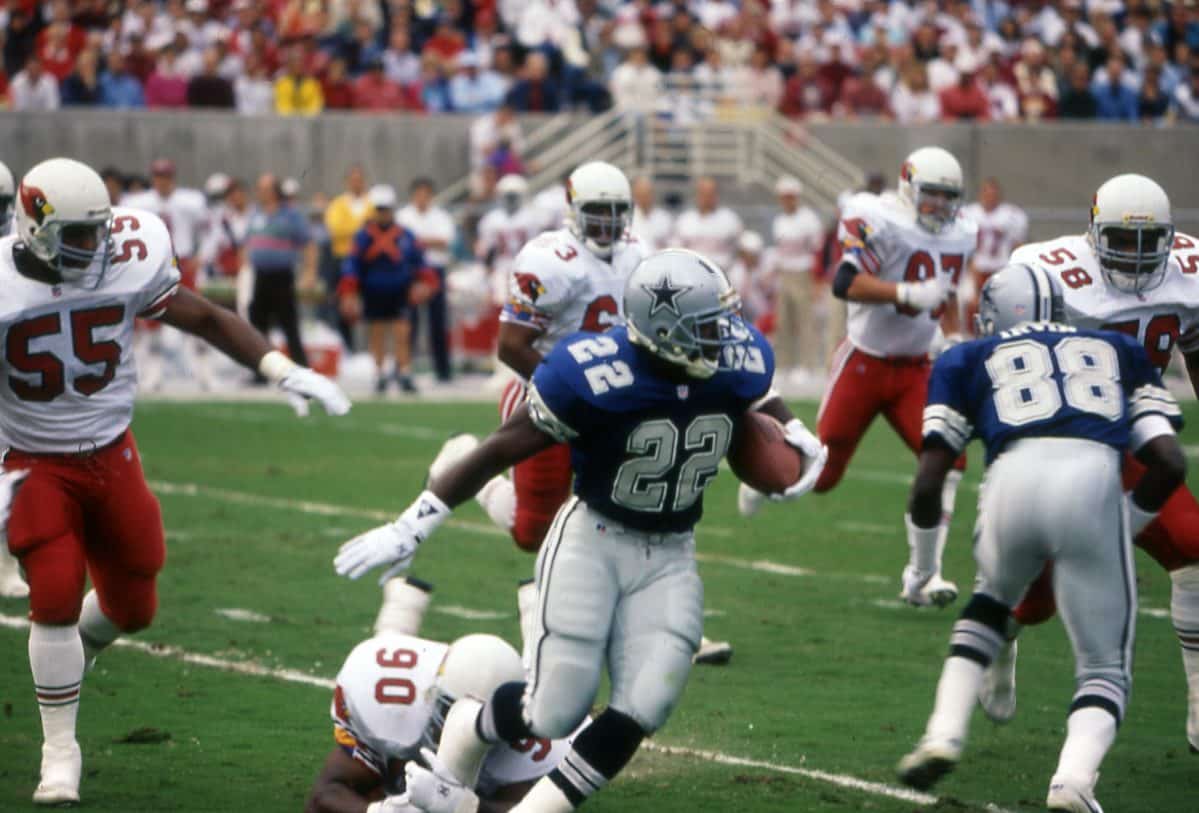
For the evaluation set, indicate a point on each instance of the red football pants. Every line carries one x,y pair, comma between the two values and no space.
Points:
1172,539
542,481
861,387
92,514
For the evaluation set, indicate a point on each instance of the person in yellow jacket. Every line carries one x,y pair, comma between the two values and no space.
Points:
297,92
344,216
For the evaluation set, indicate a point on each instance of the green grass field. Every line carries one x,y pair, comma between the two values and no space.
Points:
830,674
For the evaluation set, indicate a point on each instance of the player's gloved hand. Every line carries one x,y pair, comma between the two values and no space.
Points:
394,543
815,455
923,296
914,582
393,804
301,384
435,789
10,481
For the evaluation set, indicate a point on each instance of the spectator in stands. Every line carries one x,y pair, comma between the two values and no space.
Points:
434,85
435,231
361,50
797,234
636,84
336,87
489,130
760,82
536,92
277,246
1077,101
373,92
1115,98
662,45
166,87
254,91
399,63
385,259
446,41
862,95
1152,104
475,90
808,92
913,101
709,228
208,88
83,86
1186,99
58,45
20,38
297,92
1036,82
1001,96
965,100
32,89
653,225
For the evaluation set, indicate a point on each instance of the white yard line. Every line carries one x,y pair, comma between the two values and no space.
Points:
846,781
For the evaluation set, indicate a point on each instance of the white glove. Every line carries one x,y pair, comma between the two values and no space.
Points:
815,455
923,296
914,582
393,804
434,789
394,543
10,481
301,383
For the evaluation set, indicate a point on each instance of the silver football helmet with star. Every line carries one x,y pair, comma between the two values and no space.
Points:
1016,294
680,306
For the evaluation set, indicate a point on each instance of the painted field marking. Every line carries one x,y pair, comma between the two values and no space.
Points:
846,781
469,613
877,528
241,614
894,604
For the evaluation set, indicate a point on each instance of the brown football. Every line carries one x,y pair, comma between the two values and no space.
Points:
761,457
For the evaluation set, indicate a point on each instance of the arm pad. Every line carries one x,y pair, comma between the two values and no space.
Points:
843,279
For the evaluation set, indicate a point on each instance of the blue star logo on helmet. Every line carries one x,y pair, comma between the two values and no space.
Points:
665,295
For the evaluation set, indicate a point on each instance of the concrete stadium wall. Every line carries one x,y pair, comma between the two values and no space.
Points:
1051,169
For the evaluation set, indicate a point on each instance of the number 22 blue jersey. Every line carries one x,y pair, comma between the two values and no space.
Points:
644,447
1044,380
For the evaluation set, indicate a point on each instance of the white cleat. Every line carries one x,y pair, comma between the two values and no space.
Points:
713,653
749,500
931,760
61,769
12,585
936,592
1071,795
1193,722
453,450
997,694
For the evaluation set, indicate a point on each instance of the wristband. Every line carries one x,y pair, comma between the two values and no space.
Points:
425,514
275,366
1138,517
923,542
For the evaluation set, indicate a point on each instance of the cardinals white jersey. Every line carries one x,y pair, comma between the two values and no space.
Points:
558,287
1159,319
713,234
185,211
880,236
502,235
69,376
999,232
797,239
384,704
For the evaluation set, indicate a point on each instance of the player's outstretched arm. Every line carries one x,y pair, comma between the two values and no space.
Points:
238,339
924,504
854,286
1165,470
344,785
395,543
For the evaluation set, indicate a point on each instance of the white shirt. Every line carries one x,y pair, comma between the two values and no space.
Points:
185,212
713,234
999,232
914,107
254,96
485,135
88,404
757,286
654,228
29,95
797,238
434,223
635,88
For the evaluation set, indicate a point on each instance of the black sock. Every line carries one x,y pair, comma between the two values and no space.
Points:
600,752
503,718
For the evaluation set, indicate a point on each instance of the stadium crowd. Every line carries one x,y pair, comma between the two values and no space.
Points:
904,60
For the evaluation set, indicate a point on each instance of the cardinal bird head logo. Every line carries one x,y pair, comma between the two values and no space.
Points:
907,172
33,201
530,286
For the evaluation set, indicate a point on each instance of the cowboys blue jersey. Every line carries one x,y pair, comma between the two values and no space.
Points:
1044,380
644,447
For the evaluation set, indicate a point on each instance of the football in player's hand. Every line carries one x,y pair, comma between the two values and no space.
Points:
761,457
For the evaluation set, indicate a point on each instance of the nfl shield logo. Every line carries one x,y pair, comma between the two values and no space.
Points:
683,392
55,291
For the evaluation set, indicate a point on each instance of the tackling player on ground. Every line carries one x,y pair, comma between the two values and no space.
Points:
1132,273
903,255
648,410
76,275
1056,407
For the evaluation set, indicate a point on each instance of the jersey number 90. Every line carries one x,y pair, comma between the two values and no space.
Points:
1025,390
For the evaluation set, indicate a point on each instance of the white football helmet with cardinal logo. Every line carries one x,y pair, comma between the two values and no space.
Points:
63,216
930,184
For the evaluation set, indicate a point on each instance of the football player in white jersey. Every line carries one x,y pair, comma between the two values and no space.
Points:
903,255
11,583
1131,273
393,695
504,230
75,276
1001,227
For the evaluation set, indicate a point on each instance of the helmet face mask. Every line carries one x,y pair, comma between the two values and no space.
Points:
603,222
930,184
936,206
601,206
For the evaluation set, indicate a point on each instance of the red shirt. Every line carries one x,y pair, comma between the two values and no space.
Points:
970,102
377,94
339,95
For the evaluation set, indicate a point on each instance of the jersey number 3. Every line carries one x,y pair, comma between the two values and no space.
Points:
49,367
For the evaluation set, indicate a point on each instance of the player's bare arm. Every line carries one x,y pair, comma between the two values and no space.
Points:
344,785
518,438
924,504
516,348
1166,468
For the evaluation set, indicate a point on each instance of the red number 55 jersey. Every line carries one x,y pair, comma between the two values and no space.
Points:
68,377
1160,318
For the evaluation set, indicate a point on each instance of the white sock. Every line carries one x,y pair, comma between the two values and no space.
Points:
498,498
1184,611
544,797
526,604
957,692
461,749
1090,732
56,661
403,608
95,628
949,493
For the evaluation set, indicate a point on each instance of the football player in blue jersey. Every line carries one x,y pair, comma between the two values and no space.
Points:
648,409
1055,406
